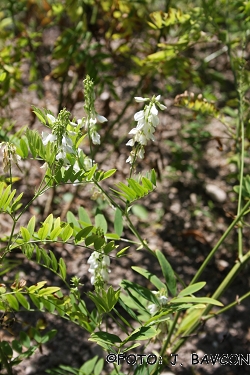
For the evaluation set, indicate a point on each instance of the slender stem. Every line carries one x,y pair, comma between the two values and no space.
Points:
223,286
223,237
132,168
226,308
240,135
170,333
122,326
229,278
37,194
15,220
241,170
125,213
137,234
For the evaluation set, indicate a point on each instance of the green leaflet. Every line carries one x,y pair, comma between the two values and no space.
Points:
192,289
168,272
151,277
118,222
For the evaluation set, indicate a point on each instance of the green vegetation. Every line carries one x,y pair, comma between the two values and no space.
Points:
194,53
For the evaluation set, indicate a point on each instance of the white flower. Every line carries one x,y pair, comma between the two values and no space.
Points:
95,137
161,106
67,145
141,153
139,116
105,260
100,118
139,99
99,264
76,167
147,120
80,122
163,300
87,163
51,118
46,138
105,275
153,308
129,159
61,155
64,148
93,258
131,143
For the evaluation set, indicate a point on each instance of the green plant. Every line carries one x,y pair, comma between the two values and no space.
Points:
167,309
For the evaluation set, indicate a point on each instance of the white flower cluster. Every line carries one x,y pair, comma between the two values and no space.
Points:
92,115
90,126
99,264
153,308
66,144
65,147
147,120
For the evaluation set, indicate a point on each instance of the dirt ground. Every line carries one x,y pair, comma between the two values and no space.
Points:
183,219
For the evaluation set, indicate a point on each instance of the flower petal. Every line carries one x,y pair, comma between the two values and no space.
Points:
100,118
130,143
129,160
96,139
139,115
139,99
161,106
48,138
154,110
51,118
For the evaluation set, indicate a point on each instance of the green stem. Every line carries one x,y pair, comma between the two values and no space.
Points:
15,220
39,192
240,137
122,326
170,333
241,171
125,213
137,234
223,286
223,237
226,308
229,278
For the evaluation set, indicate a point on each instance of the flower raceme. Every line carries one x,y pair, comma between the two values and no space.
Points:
60,136
99,264
147,120
92,116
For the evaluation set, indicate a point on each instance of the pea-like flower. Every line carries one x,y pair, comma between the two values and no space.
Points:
153,308
92,116
147,120
58,136
90,125
99,263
